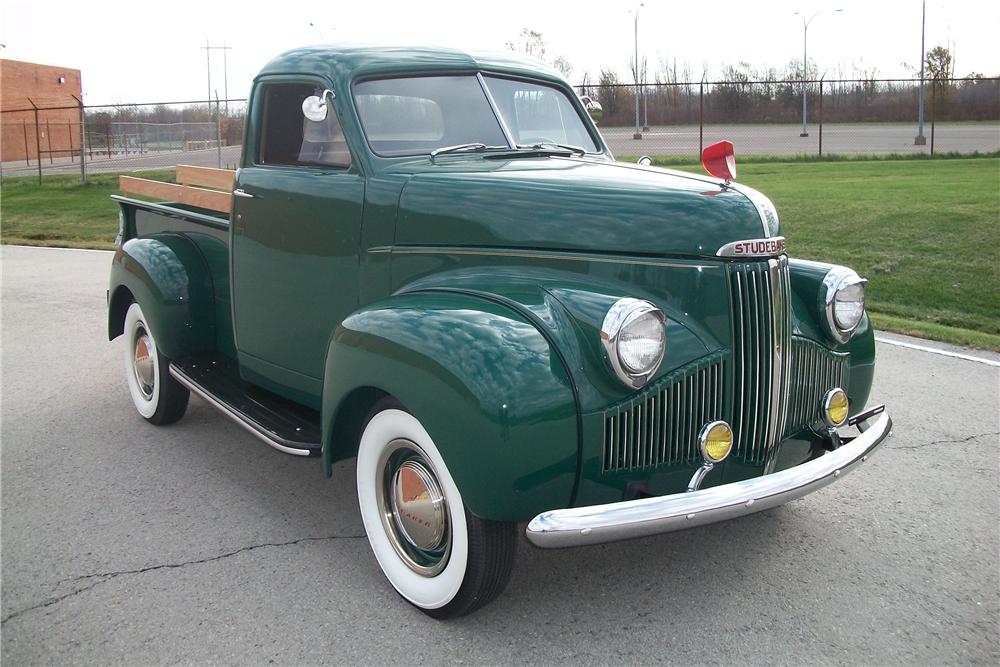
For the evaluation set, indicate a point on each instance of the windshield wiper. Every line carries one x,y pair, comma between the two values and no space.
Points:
551,144
463,148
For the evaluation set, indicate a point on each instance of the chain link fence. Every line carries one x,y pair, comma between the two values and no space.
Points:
795,118
841,117
111,138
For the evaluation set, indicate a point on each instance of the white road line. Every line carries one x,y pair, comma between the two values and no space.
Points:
943,353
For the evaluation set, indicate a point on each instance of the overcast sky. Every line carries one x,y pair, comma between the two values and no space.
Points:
137,51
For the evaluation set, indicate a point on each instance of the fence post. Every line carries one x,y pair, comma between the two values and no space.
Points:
701,117
109,141
821,115
24,126
48,140
38,142
934,86
83,140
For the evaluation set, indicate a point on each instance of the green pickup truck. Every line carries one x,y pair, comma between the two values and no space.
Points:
433,263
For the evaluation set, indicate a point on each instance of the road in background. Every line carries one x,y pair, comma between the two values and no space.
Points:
846,138
209,157
838,138
127,543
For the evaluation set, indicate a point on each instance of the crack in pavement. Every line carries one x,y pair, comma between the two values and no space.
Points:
946,442
103,577
108,576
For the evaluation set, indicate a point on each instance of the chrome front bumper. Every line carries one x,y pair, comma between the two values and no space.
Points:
578,526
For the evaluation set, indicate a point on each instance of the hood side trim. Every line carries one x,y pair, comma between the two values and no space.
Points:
535,254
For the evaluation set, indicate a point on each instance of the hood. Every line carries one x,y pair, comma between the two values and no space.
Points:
573,205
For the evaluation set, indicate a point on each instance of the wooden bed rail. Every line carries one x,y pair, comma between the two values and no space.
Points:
203,187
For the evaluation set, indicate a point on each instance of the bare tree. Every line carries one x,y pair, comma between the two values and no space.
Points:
563,66
940,63
609,91
529,42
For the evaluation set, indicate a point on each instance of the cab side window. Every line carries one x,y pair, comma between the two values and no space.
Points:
289,138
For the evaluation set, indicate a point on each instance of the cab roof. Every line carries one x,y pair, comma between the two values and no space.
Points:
343,63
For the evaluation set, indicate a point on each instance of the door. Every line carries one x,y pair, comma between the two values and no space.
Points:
296,236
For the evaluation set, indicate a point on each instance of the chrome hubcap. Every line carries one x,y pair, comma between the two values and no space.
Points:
414,510
142,363
418,506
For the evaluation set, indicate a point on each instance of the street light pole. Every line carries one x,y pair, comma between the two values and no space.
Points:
635,71
805,70
920,139
805,66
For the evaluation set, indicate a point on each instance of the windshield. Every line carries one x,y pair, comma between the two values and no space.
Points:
538,114
418,115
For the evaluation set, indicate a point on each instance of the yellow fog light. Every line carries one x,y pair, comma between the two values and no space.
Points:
716,441
835,407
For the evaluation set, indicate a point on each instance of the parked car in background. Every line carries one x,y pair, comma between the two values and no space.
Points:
593,107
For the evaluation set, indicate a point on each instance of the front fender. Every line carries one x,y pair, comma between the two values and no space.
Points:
168,277
810,321
486,384
570,308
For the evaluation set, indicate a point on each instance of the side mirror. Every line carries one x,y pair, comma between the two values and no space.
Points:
314,108
645,161
719,160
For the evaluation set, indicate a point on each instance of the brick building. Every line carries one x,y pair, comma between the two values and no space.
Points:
48,86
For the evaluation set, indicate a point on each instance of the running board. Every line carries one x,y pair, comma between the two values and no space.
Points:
253,413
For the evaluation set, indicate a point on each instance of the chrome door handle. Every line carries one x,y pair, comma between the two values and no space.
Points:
240,192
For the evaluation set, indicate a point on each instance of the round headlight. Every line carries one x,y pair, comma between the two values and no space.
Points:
634,336
844,302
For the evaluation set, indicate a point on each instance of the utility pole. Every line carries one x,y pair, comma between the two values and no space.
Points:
208,69
225,76
225,70
920,139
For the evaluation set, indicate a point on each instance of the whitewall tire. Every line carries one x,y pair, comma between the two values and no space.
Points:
157,396
435,553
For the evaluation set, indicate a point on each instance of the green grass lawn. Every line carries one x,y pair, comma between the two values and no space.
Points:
61,212
926,233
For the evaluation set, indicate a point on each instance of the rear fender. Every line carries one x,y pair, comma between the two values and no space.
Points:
167,275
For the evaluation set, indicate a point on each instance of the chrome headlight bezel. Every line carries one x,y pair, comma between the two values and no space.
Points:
624,312
837,280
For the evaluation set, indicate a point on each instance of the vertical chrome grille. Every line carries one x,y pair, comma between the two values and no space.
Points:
762,331
815,370
660,426
770,387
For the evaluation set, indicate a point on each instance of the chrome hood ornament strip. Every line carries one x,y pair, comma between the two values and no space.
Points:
754,248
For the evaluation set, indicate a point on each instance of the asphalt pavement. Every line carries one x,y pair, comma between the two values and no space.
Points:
836,138
755,139
124,543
